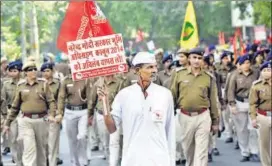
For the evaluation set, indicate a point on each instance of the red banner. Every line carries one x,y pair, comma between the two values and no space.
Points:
238,46
82,20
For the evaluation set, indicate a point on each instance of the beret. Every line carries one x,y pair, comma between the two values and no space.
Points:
244,58
143,58
167,57
48,65
211,47
15,65
258,53
28,64
198,51
266,64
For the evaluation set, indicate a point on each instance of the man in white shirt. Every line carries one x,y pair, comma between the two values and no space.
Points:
145,111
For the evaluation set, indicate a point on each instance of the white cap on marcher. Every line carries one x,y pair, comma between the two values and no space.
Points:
144,58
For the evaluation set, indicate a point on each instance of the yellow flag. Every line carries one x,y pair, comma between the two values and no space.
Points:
189,36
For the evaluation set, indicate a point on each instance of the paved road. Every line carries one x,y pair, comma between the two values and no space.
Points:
228,157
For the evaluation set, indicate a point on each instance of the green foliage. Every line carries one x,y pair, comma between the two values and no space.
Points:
262,13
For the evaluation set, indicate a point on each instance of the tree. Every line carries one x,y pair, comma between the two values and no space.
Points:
262,12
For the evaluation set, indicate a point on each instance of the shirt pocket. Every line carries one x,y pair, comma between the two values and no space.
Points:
203,92
70,89
25,94
183,88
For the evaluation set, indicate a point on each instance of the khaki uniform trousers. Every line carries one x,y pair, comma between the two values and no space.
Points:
53,143
115,147
246,134
228,123
195,132
212,141
35,135
76,128
103,133
92,137
265,139
16,145
179,150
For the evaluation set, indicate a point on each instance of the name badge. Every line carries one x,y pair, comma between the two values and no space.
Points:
25,90
157,116
70,85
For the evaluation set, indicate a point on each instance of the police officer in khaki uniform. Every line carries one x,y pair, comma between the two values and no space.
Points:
212,142
73,99
33,98
225,67
47,70
195,93
238,94
261,111
8,93
159,56
166,73
63,66
3,64
114,85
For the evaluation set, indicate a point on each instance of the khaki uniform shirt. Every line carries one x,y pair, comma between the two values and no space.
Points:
36,98
260,97
114,86
72,92
225,97
193,93
223,73
240,85
8,91
162,77
131,78
54,87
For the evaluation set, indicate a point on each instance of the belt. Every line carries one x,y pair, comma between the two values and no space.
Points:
265,112
35,115
76,107
241,99
195,113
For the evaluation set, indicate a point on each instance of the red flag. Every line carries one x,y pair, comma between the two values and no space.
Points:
238,45
82,20
221,38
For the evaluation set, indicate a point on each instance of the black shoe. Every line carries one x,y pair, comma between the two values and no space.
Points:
223,129
215,152
245,159
183,162
6,151
210,158
254,158
59,161
13,161
229,140
1,164
237,146
178,162
95,148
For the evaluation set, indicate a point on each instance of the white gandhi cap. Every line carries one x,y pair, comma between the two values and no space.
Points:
144,58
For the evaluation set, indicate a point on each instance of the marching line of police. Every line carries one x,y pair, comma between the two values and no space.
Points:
146,117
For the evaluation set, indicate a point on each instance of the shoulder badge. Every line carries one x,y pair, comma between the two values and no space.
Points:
210,74
22,81
256,82
41,79
180,69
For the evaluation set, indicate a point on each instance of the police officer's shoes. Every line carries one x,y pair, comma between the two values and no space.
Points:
95,148
245,159
229,140
215,152
254,158
178,162
210,157
237,146
1,163
6,151
183,162
59,161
